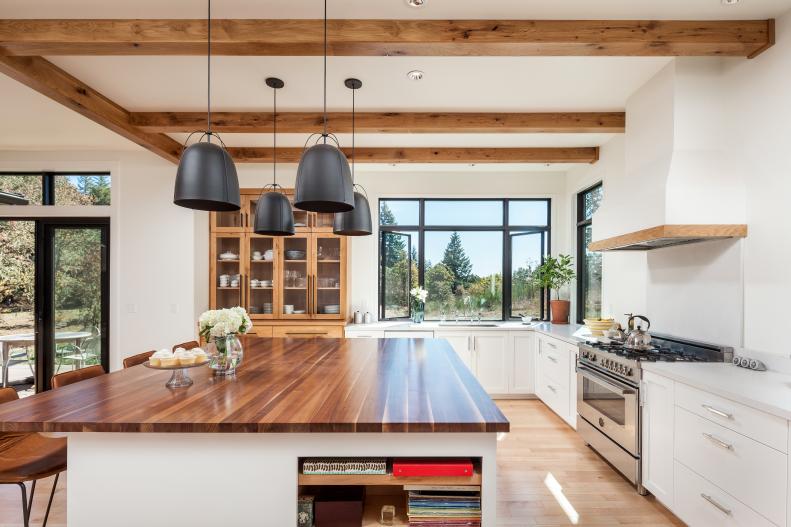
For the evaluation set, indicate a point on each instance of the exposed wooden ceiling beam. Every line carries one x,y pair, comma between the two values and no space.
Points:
49,80
743,38
431,155
387,122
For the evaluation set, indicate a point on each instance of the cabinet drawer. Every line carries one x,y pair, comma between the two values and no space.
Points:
554,395
765,428
262,331
701,504
365,334
306,332
750,471
554,358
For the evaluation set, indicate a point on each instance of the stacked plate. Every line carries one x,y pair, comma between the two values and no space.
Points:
266,308
331,309
295,255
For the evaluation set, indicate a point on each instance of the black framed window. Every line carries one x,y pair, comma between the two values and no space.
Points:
589,269
55,188
476,257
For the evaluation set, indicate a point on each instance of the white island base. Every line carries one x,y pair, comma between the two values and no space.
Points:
245,480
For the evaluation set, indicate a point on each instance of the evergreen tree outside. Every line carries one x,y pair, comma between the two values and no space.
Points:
457,261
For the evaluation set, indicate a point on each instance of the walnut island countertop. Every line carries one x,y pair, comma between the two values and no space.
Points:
283,386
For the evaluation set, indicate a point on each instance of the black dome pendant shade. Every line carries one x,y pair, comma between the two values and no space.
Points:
324,182
206,178
355,222
273,213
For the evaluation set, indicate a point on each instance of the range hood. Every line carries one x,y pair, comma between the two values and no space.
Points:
668,236
676,182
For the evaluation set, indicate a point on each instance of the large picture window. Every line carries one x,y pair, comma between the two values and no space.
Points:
476,257
588,263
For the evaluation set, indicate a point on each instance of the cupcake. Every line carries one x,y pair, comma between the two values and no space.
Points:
200,355
184,357
163,357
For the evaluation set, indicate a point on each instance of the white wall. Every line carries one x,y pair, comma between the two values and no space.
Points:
153,293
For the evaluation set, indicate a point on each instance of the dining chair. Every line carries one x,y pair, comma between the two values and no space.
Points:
87,351
135,360
29,456
70,377
192,344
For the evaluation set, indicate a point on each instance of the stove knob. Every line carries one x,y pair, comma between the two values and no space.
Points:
629,372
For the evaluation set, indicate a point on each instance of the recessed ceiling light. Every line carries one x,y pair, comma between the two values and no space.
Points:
416,3
729,2
415,75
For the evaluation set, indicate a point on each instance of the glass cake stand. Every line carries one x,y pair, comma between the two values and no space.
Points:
180,377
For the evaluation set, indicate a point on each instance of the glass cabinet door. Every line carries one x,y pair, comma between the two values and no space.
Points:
294,279
323,221
228,221
227,257
261,276
329,276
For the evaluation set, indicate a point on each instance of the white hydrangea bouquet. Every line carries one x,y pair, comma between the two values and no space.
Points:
419,296
221,328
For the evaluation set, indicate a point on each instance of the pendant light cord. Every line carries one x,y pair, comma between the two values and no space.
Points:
274,141
354,155
325,71
208,76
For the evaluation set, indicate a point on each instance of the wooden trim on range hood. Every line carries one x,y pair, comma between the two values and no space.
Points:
668,235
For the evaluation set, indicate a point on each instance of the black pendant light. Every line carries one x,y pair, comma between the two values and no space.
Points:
206,178
273,214
324,182
355,222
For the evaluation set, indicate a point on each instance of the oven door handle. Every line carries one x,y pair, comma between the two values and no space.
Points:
590,374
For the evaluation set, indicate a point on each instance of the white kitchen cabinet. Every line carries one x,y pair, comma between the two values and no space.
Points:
523,377
556,380
657,436
462,345
409,334
492,354
365,334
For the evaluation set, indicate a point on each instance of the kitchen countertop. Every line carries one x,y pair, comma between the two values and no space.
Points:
571,333
284,385
767,391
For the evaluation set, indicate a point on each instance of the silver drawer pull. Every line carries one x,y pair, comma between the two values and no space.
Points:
550,345
722,508
553,359
720,413
552,388
717,441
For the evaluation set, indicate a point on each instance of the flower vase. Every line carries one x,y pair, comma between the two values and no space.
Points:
418,313
225,354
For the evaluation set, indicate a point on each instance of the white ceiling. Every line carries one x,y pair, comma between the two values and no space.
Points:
454,9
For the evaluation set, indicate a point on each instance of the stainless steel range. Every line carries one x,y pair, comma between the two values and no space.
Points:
608,394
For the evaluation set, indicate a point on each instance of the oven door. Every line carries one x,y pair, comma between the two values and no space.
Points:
610,406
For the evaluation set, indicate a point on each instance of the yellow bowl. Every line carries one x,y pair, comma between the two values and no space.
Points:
597,326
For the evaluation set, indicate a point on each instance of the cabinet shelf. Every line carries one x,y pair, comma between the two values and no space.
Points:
262,288
296,288
294,261
262,261
229,261
329,288
227,288
328,261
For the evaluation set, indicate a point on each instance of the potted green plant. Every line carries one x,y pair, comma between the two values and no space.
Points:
553,274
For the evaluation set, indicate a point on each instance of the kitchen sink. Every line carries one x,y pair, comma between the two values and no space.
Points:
469,324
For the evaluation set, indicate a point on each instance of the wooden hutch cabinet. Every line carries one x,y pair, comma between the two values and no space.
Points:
293,286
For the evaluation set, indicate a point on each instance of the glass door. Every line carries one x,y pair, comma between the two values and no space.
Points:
294,278
262,260
398,275
74,293
329,276
234,221
302,219
323,221
17,304
527,253
227,271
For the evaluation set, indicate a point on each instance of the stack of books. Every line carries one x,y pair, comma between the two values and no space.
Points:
443,507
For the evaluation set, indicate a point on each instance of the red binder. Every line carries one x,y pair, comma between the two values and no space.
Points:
404,467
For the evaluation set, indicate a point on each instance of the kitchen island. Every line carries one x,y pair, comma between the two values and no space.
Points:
225,451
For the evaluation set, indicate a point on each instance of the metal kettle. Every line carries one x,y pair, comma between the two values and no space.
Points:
638,339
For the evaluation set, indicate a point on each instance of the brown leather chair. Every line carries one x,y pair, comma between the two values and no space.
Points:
135,360
29,457
192,344
70,377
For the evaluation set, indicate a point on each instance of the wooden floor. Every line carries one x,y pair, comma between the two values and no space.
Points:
546,477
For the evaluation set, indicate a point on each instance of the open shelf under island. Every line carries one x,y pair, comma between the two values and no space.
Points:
224,450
